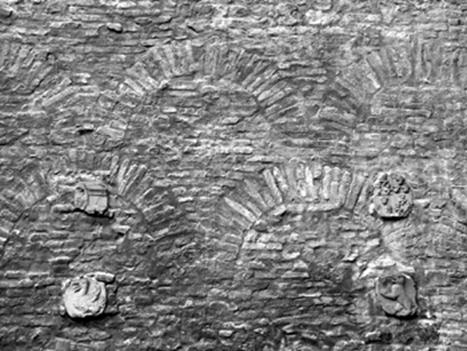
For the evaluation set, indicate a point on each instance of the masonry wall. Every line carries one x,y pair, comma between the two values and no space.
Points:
238,143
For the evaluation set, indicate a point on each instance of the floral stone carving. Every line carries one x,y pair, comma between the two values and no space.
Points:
392,196
396,294
91,197
84,296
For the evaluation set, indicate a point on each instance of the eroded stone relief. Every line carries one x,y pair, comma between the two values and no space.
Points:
89,193
91,197
396,294
392,196
86,295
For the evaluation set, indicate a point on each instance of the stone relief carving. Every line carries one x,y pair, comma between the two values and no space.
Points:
396,293
392,196
84,296
91,197
83,192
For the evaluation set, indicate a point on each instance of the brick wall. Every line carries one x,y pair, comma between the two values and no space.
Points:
238,143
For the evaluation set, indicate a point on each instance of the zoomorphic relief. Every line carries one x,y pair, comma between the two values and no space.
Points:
91,197
84,296
396,294
392,196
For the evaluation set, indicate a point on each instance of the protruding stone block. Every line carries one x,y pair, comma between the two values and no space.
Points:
392,197
115,27
396,293
91,197
84,296
102,277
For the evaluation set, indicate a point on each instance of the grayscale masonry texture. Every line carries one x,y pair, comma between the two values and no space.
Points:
233,175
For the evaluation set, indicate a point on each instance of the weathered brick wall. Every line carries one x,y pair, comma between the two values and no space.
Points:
238,143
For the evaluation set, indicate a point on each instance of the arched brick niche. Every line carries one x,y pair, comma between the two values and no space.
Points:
218,85
87,113
137,235
191,70
290,254
406,95
224,89
219,103
304,243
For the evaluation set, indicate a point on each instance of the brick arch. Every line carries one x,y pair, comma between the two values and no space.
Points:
64,93
23,69
44,247
78,113
19,193
417,85
282,230
300,186
309,252
95,115
295,187
418,63
147,224
188,65
135,184
24,72
313,188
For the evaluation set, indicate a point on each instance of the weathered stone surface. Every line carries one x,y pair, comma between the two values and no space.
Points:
231,149
397,295
84,297
392,196
91,197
